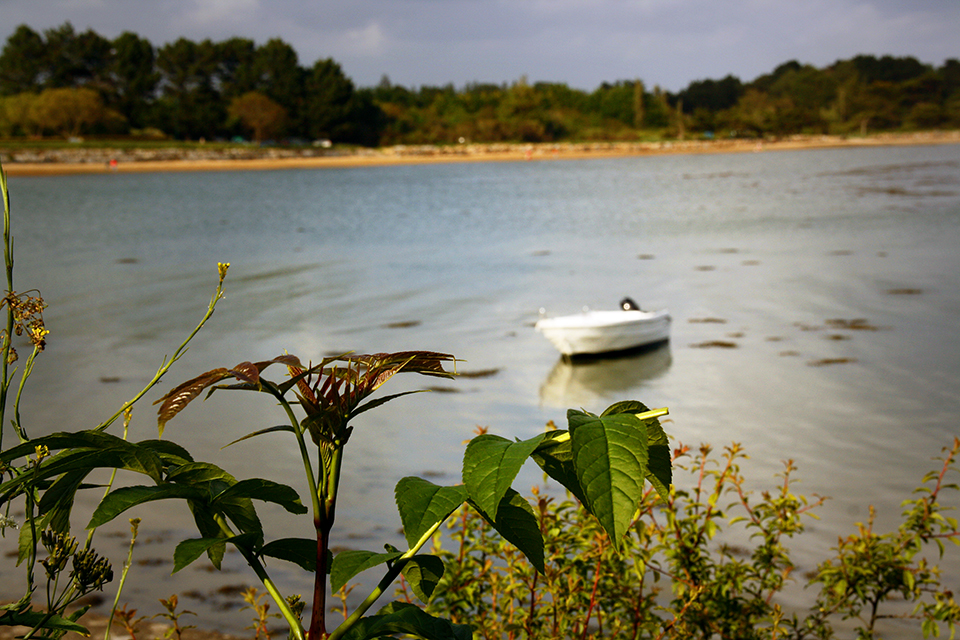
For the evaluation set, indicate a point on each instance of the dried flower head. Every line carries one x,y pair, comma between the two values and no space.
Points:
59,546
91,571
27,317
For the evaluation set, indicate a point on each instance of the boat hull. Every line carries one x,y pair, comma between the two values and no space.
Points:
603,332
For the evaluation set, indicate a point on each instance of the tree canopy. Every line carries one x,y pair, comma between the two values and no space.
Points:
189,90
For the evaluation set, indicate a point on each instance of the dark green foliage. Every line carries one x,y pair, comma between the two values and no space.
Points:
22,62
198,80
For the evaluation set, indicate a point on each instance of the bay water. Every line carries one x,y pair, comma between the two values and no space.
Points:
815,300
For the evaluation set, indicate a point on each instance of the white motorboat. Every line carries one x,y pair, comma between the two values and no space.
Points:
604,332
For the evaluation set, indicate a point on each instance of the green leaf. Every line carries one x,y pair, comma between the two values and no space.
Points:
300,551
58,499
659,465
281,427
64,462
610,458
199,473
423,504
402,617
517,522
189,550
423,573
88,449
490,464
142,460
241,512
376,402
25,541
266,491
349,563
208,527
49,621
555,456
119,500
168,451
64,440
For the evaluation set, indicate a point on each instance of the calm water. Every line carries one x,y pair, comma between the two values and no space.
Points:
759,250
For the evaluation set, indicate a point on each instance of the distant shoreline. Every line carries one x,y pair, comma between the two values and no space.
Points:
91,161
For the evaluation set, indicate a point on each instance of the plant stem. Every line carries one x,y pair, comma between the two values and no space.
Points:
251,559
8,336
134,527
165,366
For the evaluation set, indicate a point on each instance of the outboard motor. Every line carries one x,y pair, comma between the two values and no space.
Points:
627,304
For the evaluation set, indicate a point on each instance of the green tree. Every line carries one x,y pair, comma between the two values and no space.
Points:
329,100
280,77
712,95
76,59
802,94
191,105
259,113
134,78
21,62
67,110
18,113
236,72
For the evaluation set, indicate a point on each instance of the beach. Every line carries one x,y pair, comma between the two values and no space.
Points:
67,160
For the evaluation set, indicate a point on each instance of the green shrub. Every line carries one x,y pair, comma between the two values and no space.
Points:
709,563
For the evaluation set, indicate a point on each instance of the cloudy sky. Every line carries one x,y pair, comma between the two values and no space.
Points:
580,42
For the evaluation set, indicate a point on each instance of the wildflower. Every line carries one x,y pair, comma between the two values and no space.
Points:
28,316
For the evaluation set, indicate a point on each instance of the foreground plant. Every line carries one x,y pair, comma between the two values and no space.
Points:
709,562
602,459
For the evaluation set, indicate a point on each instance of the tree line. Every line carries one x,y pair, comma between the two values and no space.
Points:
66,83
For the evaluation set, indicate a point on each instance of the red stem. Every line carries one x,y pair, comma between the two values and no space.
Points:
318,629
593,594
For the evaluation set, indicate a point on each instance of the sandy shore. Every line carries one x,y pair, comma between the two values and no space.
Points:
79,161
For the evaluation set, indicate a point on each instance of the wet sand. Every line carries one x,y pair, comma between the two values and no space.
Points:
92,161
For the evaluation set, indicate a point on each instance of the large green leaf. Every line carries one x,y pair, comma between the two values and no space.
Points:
202,472
517,522
554,454
349,563
241,512
423,573
189,550
64,440
610,458
63,462
58,499
208,527
405,618
142,460
266,491
300,551
119,500
90,448
168,451
490,464
659,466
423,504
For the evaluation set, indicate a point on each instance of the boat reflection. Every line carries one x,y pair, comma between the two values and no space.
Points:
581,383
